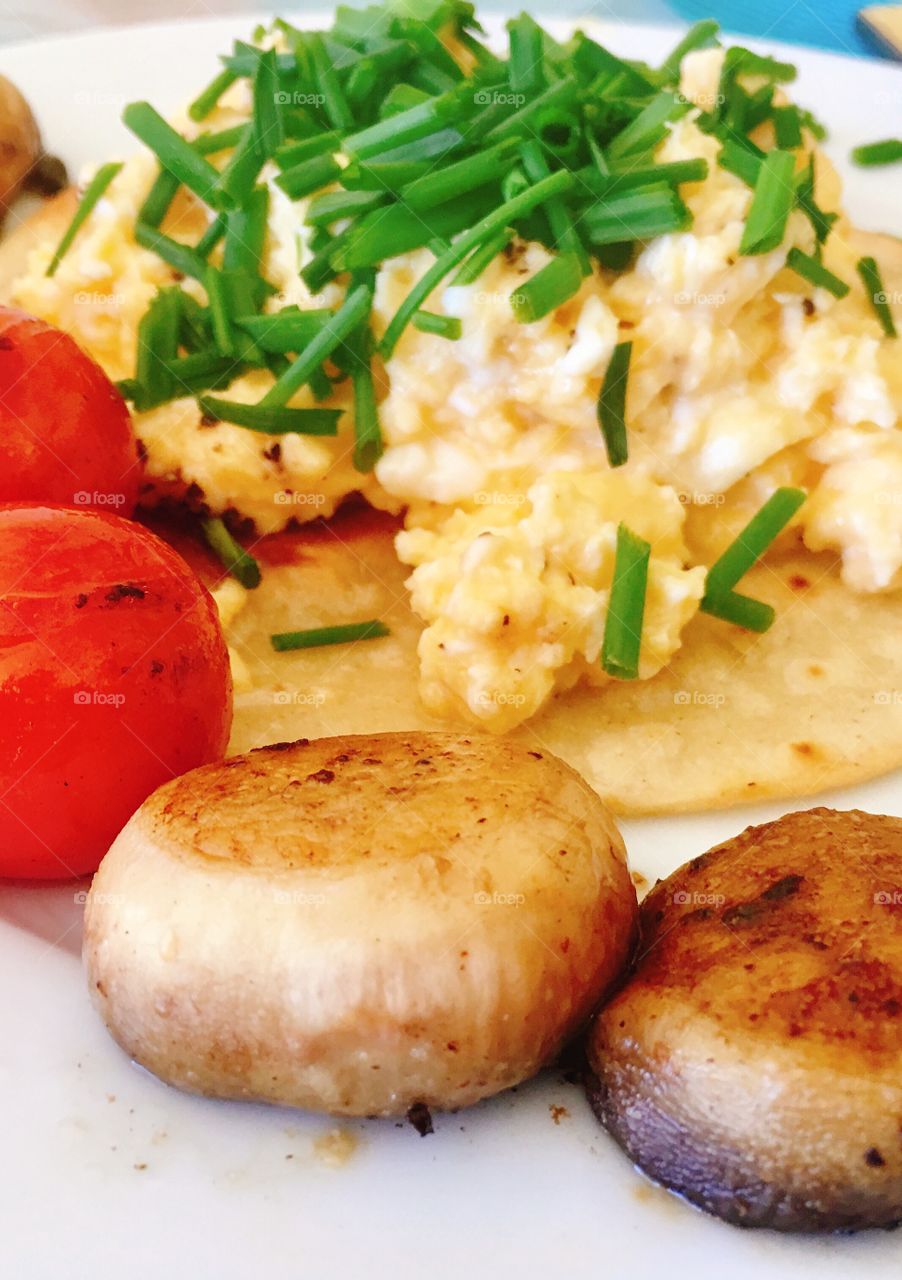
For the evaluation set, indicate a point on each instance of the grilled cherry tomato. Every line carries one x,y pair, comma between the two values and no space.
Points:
114,677
65,432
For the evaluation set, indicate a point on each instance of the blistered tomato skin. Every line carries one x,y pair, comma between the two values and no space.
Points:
65,432
114,678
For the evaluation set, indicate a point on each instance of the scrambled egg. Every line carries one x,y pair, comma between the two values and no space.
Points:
742,378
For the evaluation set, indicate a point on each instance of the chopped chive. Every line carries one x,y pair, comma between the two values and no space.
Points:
526,74
238,177
481,258
814,271
873,285
269,129
742,611
626,606
772,203
219,299
207,144
173,152
208,98
285,331
383,175
649,126
701,36
529,119
555,185
611,409
211,237
750,544
741,158
456,179
385,234
309,176
636,215
563,229
787,127
550,287
240,563
316,637
92,194
159,198
819,219
368,445
245,234
273,420
181,257
334,102
328,208
157,344
407,126
351,313
442,326
872,153
674,173
293,153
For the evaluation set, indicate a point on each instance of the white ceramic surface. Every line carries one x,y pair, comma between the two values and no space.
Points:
108,1174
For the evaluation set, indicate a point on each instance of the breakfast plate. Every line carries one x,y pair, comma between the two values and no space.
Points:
110,1170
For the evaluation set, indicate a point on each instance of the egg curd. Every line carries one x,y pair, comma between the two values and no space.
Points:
743,377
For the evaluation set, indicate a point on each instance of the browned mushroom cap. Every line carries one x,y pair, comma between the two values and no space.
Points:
20,143
753,1060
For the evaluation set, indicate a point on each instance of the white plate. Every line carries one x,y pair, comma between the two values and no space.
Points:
107,1173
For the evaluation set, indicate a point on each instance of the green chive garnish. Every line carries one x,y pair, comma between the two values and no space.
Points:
548,289
749,545
814,271
443,326
208,98
240,563
873,286
273,420
315,637
787,127
368,444
772,203
872,153
173,152
93,192
626,606
636,215
524,203
352,312
612,404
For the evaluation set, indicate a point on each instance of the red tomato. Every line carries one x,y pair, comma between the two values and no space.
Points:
114,677
65,432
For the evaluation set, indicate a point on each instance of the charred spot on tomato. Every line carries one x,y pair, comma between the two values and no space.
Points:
125,591
6,344
81,600
157,667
